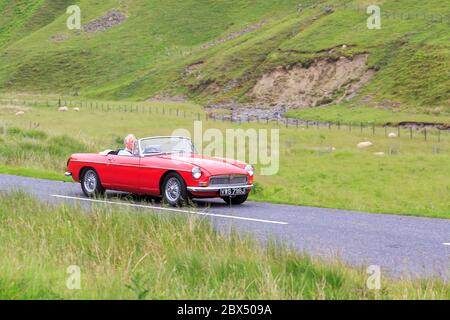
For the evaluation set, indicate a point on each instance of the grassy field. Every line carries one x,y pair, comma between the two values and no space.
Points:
356,115
131,255
410,179
154,50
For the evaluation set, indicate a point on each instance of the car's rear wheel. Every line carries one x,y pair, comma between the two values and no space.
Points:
90,183
236,199
174,190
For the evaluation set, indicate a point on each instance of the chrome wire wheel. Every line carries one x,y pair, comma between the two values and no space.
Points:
90,181
173,190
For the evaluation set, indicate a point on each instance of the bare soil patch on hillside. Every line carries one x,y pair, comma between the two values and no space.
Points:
108,20
322,82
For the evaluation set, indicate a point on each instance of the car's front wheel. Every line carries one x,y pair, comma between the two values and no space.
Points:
236,199
90,183
174,190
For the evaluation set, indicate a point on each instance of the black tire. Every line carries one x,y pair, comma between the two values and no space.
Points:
236,200
174,190
90,183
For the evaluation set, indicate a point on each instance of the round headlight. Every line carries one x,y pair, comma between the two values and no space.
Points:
249,170
196,173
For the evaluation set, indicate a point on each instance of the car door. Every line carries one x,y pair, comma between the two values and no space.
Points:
123,172
151,170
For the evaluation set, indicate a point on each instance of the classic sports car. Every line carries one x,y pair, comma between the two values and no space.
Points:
167,167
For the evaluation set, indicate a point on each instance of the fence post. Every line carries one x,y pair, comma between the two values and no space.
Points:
439,135
410,132
425,133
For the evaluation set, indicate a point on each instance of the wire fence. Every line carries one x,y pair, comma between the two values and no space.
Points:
427,132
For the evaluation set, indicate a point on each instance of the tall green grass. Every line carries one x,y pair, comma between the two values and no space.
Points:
35,148
127,254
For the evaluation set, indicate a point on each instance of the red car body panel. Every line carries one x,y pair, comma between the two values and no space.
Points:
144,175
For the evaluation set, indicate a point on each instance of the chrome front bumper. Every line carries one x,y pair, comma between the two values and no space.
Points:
68,174
218,188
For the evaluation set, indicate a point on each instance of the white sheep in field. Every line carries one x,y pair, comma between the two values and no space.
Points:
392,135
76,109
20,113
365,144
63,109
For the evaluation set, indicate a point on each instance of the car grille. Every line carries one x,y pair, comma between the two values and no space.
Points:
228,180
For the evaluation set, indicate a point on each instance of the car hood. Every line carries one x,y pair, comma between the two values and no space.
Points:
212,165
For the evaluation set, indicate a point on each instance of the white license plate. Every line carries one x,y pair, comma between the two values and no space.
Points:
233,192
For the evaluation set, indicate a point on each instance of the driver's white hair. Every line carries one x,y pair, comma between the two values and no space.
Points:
128,138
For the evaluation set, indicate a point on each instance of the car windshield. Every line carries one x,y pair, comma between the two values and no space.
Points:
152,146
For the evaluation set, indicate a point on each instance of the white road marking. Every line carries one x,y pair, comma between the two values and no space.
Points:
446,243
170,209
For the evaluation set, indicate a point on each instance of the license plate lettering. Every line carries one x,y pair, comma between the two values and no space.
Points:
232,192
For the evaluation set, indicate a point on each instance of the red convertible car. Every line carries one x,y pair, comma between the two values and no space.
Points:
167,167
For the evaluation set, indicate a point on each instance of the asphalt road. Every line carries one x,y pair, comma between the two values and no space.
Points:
400,245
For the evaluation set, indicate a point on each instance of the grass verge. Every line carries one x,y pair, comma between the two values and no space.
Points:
34,173
127,254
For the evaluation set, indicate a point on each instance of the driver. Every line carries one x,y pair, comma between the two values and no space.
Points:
129,142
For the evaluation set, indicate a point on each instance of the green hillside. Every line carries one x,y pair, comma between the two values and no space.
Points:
217,51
